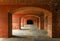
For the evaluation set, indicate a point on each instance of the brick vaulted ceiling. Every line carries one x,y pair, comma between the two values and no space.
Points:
36,3
24,2
45,4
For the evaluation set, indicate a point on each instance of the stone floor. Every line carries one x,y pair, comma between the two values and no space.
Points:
29,30
25,35
29,39
29,35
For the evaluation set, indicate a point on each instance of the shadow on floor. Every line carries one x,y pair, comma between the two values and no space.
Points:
18,36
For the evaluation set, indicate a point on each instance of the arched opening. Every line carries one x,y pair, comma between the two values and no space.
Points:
34,18
35,11
30,22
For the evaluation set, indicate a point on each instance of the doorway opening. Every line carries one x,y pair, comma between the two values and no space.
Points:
29,22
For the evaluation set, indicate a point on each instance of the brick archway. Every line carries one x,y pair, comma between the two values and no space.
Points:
37,11
34,18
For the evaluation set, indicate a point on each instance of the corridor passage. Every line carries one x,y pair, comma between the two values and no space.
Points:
29,20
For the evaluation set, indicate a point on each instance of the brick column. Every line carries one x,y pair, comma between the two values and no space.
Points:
4,25
20,23
42,21
56,25
56,19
